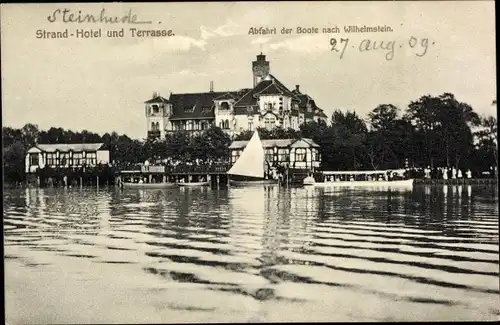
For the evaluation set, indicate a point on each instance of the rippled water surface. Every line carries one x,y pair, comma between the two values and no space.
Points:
251,254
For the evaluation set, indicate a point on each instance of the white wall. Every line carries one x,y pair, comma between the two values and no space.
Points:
103,156
269,100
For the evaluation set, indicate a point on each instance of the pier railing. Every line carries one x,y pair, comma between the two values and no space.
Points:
216,168
182,169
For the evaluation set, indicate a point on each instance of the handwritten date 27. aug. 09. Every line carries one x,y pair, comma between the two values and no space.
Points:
417,46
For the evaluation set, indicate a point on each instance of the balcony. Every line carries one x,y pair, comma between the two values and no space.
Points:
154,134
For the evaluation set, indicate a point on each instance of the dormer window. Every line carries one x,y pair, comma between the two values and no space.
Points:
156,109
224,106
188,109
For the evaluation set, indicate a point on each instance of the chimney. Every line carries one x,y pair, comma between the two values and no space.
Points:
211,86
297,88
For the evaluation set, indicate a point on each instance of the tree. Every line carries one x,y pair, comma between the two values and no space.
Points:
350,132
13,161
11,135
383,117
487,137
177,146
30,135
385,141
443,125
218,143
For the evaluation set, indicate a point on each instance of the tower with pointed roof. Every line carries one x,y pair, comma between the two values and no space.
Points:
260,69
158,112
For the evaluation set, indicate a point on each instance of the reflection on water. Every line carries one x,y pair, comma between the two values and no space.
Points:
251,254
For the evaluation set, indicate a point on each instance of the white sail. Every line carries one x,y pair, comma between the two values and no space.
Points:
251,161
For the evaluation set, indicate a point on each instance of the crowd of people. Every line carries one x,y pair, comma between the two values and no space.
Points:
446,173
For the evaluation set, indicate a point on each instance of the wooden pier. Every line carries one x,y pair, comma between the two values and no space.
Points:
215,173
461,181
96,176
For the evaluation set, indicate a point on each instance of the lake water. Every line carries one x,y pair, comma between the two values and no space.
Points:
251,255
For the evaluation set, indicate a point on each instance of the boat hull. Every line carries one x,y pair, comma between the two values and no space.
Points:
193,184
398,183
253,183
148,185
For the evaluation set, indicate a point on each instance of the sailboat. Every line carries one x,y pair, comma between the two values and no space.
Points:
249,167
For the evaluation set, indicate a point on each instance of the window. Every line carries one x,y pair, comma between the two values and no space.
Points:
77,158
283,155
157,126
269,154
226,124
57,159
224,106
64,158
156,109
300,154
34,159
269,122
188,108
235,155
190,125
91,158
204,125
51,159
250,125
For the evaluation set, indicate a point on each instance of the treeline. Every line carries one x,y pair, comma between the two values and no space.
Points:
212,144
432,131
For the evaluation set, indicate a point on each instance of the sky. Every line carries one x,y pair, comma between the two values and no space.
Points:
101,84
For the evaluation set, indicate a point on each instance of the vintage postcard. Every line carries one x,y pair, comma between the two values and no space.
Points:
250,162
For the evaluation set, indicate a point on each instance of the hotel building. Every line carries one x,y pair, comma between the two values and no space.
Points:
269,104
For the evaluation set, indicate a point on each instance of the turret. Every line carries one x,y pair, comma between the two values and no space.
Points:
158,111
260,69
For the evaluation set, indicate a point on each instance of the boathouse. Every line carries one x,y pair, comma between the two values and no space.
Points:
289,153
67,162
65,156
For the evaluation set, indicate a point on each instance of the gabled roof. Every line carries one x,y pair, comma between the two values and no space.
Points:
248,99
272,89
321,114
282,86
304,143
157,99
66,147
270,86
226,96
306,100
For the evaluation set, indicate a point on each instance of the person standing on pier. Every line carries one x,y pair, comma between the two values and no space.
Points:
427,172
